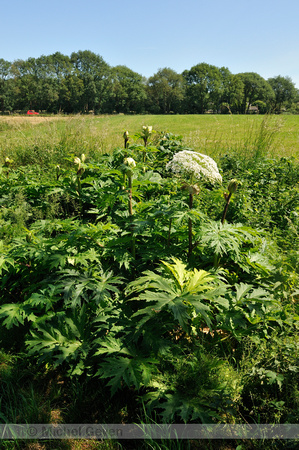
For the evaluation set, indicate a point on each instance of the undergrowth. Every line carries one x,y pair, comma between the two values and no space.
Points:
122,301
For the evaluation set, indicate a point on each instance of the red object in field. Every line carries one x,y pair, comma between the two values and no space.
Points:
32,113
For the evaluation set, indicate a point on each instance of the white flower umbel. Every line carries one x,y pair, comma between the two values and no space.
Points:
195,166
192,166
77,161
147,130
130,162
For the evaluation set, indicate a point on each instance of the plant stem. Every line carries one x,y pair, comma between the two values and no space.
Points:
79,190
216,260
144,152
169,232
190,246
130,195
131,217
226,208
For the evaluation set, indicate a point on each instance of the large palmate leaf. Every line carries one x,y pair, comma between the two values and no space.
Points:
133,372
224,239
5,263
96,286
64,339
14,314
179,291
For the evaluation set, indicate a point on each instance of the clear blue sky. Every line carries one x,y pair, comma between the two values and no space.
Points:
259,36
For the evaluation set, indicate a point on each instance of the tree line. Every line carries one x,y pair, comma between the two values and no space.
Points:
83,82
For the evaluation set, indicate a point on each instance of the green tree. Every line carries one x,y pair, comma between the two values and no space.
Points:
165,91
232,92
5,98
255,88
59,67
25,76
96,76
71,91
284,91
128,91
203,88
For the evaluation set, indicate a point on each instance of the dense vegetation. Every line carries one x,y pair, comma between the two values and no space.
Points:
138,281
84,82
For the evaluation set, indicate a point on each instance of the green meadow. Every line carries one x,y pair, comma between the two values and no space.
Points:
48,137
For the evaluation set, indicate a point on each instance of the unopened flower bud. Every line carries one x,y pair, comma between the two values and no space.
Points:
8,161
147,130
232,186
130,162
57,171
29,236
193,189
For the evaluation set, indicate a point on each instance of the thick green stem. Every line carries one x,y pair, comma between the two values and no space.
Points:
190,246
133,245
130,195
226,208
169,232
144,152
216,261
79,190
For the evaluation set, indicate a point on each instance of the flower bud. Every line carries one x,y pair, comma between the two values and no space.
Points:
130,162
232,186
147,130
193,189
8,162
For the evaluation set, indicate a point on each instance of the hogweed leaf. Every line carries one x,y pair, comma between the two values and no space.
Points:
111,345
178,270
131,371
199,281
13,315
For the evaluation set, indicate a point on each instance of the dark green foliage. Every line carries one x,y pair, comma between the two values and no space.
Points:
84,83
210,338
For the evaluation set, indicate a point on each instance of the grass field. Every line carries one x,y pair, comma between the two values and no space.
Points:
214,135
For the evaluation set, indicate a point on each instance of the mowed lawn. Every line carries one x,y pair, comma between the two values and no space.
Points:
212,134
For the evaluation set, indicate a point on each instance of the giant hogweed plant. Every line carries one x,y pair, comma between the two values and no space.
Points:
168,308
72,313
193,167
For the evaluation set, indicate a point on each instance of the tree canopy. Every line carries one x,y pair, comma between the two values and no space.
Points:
83,82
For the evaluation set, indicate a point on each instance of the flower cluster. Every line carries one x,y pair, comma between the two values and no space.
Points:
8,162
147,130
79,163
195,166
130,162
128,166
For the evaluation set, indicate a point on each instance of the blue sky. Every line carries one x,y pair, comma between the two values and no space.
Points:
259,36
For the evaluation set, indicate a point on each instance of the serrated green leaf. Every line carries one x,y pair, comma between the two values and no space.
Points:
13,314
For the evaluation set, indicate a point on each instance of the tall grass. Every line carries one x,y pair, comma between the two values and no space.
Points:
48,140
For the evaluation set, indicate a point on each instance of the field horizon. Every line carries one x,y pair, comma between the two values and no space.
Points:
212,134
